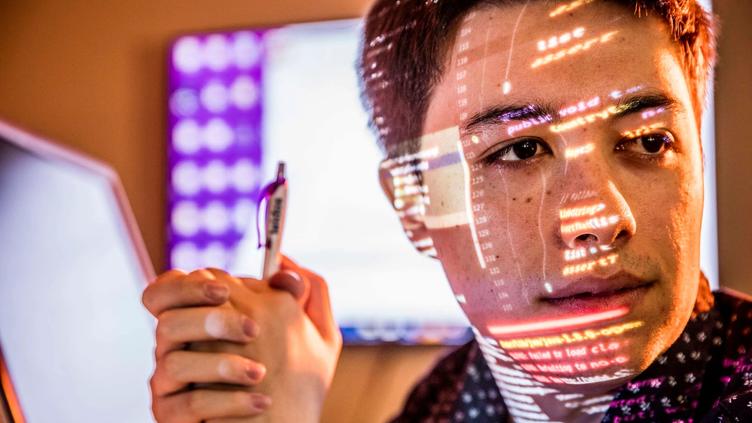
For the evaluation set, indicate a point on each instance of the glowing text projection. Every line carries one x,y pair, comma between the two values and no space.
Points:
567,322
573,50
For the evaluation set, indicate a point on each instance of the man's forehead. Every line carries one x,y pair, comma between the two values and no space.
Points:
529,21
521,54
523,42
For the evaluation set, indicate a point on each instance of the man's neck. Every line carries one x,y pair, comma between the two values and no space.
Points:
529,399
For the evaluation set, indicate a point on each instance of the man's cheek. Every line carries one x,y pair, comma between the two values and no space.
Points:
483,292
668,224
455,249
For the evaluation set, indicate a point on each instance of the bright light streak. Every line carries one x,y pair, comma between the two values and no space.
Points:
423,243
579,352
641,130
576,269
580,106
592,223
410,179
422,166
568,213
584,120
582,252
552,57
409,190
568,7
558,323
564,38
652,113
577,196
420,155
584,380
506,87
529,124
617,94
574,152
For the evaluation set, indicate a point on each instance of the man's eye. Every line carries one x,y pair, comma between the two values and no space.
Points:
520,150
648,144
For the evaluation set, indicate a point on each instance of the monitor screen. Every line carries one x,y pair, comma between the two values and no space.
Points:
76,341
239,102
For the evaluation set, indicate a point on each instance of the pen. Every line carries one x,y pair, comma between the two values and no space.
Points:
275,194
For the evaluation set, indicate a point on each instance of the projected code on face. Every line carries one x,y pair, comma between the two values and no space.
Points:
534,222
552,352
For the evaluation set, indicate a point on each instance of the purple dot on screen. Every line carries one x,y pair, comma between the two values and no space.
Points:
216,218
187,55
217,53
186,136
218,136
186,218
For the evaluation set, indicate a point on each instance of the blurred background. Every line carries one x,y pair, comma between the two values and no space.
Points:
94,75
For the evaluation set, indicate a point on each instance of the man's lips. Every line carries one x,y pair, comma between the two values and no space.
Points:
593,287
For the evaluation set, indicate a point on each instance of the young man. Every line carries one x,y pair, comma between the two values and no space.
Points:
548,154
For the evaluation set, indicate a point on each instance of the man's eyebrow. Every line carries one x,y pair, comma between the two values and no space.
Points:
502,113
637,103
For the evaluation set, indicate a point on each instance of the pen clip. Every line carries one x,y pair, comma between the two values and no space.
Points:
264,196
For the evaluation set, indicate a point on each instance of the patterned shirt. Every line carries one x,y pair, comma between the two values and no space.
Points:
705,376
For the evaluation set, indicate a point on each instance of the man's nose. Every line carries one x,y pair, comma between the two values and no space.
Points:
602,219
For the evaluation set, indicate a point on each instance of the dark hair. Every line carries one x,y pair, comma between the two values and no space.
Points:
406,41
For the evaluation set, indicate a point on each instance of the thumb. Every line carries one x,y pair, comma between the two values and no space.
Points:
292,282
316,302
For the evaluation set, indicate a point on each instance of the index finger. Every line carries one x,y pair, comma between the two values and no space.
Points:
175,289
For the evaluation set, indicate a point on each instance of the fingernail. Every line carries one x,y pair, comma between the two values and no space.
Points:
249,327
292,274
290,281
256,372
216,291
260,402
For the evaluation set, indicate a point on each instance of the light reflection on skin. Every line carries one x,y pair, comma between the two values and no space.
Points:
562,39
564,8
575,152
581,106
597,222
557,323
584,120
578,48
643,130
588,210
589,266
499,228
582,252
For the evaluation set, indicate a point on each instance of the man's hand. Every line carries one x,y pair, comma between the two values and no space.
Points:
231,327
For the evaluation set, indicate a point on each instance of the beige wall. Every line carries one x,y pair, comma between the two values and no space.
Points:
92,75
734,143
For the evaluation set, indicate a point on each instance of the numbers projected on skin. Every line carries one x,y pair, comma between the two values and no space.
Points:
474,204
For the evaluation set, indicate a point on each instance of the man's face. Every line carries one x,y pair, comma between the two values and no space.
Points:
576,203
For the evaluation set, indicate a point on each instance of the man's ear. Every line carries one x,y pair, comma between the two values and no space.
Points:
407,195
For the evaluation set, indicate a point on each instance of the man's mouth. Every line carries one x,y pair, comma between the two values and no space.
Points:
593,293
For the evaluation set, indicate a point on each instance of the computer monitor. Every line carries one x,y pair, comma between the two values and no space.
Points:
77,345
